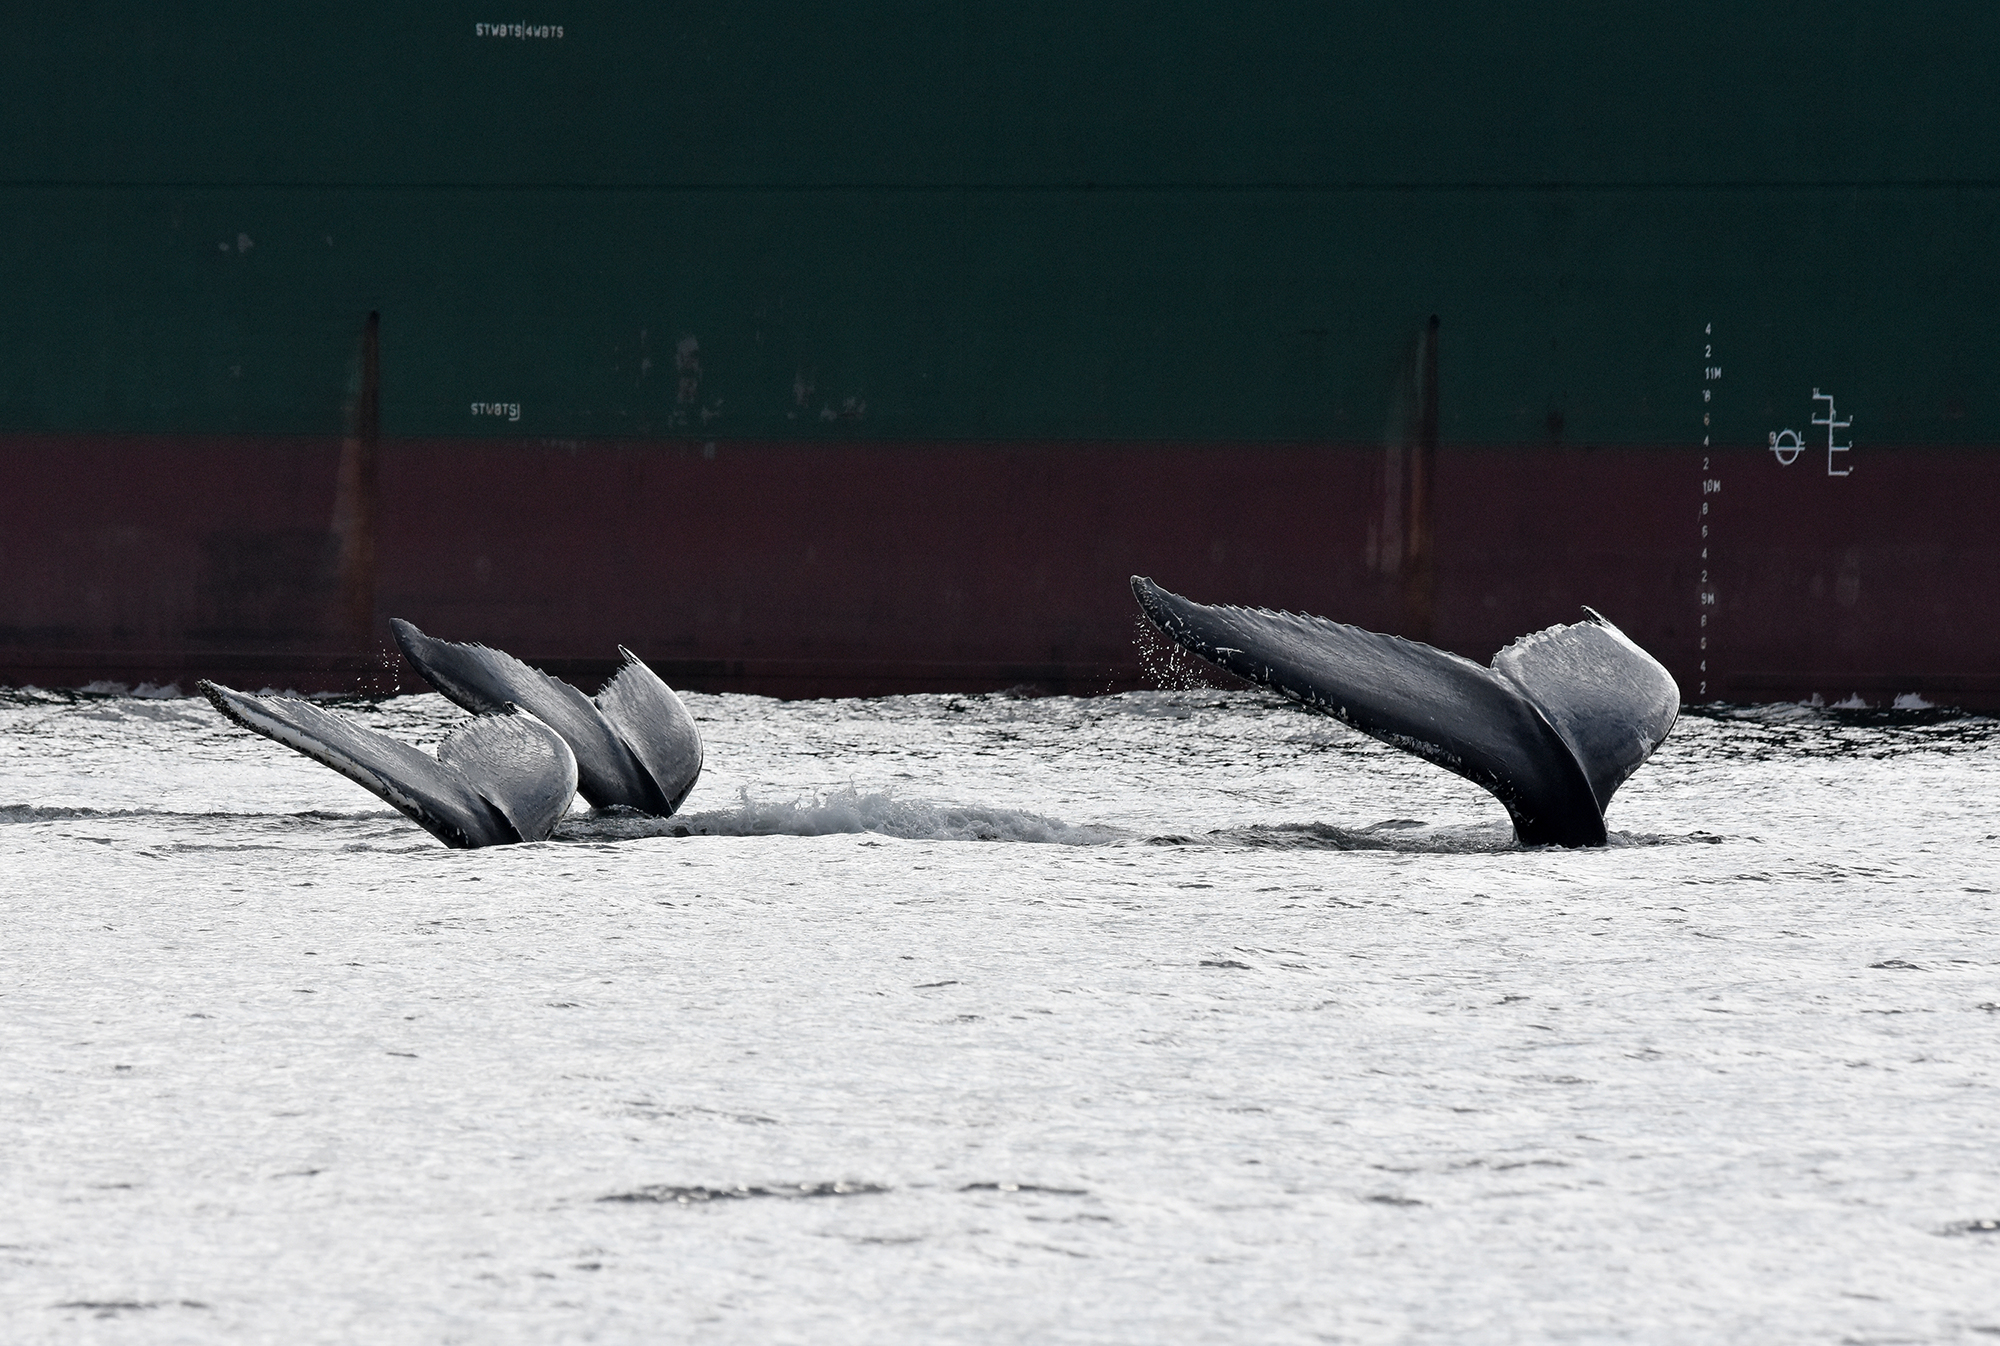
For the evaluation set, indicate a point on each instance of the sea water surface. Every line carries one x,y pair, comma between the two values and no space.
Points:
1170,1016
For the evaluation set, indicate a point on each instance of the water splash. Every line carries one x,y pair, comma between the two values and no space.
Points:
843,811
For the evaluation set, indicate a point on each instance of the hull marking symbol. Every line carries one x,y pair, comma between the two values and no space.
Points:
1787,445
1831,425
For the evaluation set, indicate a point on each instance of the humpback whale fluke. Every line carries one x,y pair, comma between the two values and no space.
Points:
635,744
496,779
1556,725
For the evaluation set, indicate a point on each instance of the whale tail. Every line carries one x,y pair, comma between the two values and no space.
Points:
1552,729
1609,701
635,743
496,779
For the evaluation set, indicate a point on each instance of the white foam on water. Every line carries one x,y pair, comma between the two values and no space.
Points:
849,809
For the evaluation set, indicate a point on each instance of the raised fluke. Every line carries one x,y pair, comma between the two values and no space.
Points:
1562,718
496,779
635,744
1609,701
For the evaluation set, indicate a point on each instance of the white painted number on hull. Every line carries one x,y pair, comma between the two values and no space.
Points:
1707,602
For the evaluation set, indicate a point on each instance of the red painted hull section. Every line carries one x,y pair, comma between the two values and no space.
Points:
810,570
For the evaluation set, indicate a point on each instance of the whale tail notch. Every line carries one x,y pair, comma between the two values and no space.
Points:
1561,719
635,743
496,779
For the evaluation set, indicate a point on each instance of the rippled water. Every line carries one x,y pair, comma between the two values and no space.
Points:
1169,1016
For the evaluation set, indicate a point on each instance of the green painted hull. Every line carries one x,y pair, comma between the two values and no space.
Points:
1058,234
1117,221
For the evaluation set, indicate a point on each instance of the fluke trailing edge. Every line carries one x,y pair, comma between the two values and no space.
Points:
495,779
510,773
1556,725
635,743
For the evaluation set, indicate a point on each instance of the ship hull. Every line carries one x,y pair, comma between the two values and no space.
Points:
808,569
